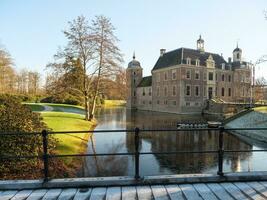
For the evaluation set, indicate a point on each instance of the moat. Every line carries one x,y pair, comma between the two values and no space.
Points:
120,118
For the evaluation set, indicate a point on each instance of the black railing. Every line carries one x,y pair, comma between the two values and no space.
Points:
220,151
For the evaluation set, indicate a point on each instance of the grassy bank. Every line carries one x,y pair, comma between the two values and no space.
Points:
110,103
63,117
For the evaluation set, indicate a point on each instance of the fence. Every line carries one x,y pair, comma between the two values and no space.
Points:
220,151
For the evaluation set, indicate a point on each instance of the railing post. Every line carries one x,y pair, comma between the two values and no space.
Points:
220,152
45,155
136,141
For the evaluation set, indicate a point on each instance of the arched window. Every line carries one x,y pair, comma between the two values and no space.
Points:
174,90
165,91
222,92
223,77
237,56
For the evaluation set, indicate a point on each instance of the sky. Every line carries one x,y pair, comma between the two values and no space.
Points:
31,30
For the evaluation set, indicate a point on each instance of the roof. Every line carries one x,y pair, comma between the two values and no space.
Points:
237,49
145,82
179,56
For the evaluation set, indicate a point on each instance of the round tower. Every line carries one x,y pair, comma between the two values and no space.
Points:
134,75
237,54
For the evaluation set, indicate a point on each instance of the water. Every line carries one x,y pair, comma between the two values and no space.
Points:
120,118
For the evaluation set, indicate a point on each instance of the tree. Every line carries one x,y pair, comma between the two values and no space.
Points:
80,46
106,53
260,84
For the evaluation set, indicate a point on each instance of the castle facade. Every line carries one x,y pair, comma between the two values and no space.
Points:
183,79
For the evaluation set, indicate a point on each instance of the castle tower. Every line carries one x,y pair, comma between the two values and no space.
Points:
134,75
200,44
237,54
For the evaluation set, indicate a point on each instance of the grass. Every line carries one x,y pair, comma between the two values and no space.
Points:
261,109
68,143
110,103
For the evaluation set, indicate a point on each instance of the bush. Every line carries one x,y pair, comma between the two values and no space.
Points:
16,117
64,98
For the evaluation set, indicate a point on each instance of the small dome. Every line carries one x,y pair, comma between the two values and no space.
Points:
200,39
134,63
237,49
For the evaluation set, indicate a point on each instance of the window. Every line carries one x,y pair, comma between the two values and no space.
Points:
204,76
165,102
165,91
173,74
174,103
149,92
150,102
210,76
222,92
158,102
134,73
237,56
188,90
187,103
197,75
144,102
216,77
188,61
188,74
134,93
158,77
197,62
196,104
229,78
229,92
134,81
144,92
243,91
204,91
223,77
197,90
174,90
165,76
158,93
223,66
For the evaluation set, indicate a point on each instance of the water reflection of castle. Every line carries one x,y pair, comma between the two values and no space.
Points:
184,141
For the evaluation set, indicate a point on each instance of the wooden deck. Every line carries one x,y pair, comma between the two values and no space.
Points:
225,191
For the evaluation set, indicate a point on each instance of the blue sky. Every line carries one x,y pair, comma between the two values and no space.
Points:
32,29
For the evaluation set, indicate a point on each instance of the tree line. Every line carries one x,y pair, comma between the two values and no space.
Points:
17,82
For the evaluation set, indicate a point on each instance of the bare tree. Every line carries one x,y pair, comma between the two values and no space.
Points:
80,46
106,54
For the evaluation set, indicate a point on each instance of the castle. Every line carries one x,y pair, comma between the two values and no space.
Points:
183,79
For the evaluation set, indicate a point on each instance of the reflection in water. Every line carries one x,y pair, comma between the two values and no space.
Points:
118,118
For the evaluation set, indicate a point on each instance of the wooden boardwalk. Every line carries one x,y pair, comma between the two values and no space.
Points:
225,191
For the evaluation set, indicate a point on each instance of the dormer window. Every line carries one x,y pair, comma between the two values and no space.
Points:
223,66
197,62
188,61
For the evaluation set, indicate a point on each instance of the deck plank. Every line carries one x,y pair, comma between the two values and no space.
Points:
234,191
21,195
83,194
258,187
98,193
52,194
113,193
190,192
174,192
144,192
37,194
219,191
129,193
6,195
204,191
67,194
249,191
159,192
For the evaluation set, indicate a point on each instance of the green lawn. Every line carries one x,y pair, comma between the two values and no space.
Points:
109,103
261,109
61,121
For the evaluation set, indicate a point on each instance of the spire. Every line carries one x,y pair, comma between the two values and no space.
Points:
134,55
237,44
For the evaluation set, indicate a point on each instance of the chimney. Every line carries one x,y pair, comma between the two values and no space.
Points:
162,51
229,60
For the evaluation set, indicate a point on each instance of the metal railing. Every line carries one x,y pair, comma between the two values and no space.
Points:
220,151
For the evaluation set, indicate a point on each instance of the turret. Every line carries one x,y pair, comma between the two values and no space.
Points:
237,54
200,44
134,75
